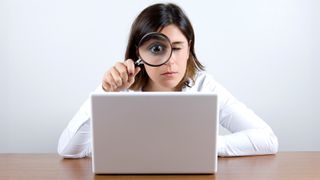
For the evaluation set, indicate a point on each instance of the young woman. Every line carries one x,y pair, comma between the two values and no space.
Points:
250,135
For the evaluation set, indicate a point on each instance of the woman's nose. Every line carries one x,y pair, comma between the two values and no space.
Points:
171,60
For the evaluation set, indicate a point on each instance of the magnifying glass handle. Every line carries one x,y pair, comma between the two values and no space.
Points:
138,62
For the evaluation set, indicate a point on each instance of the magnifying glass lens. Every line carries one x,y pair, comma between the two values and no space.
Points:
155,49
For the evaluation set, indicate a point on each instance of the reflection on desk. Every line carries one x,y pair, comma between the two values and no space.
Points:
284,165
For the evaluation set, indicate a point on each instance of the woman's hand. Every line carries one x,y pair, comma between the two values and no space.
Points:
120,76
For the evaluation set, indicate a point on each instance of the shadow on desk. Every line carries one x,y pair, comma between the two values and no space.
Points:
75,166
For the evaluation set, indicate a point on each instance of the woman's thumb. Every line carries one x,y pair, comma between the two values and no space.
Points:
137,70
131,78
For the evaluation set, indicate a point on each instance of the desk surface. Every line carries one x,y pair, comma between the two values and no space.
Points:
284,165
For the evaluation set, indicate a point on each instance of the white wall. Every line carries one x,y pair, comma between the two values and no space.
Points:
54,53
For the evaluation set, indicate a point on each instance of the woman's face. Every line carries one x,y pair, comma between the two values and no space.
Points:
169,75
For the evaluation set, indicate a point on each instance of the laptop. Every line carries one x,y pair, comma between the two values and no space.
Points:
154,133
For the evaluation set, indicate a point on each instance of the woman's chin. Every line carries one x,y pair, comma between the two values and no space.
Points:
170,86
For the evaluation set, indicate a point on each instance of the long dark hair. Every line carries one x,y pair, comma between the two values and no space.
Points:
152,19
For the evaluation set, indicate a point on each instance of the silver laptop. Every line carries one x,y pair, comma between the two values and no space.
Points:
154,133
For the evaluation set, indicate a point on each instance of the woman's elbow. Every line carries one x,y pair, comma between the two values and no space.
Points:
70,154
273,146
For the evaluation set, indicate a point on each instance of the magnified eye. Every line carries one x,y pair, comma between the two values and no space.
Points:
157,49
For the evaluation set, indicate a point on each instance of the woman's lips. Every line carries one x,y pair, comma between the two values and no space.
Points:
169,74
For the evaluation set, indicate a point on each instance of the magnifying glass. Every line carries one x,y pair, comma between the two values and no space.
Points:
154,49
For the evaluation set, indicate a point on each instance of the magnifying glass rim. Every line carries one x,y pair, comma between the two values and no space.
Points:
154,33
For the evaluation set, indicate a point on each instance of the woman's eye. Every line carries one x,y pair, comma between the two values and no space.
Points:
176,48
156,49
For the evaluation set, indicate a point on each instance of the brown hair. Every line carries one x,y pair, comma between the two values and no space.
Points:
152,19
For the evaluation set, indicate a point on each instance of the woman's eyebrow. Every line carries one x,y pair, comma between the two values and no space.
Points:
177,42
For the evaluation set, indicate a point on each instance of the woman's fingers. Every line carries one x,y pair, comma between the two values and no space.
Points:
122,71
130,66
116,77
132,77
111,81
120,76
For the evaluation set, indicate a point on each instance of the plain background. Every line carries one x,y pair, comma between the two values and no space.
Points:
54,53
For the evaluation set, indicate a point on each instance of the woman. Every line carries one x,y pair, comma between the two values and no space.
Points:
250,135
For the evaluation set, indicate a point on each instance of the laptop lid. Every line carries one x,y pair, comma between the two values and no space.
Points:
154,132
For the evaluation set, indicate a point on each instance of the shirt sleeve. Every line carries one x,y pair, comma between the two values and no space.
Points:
75,140
250,135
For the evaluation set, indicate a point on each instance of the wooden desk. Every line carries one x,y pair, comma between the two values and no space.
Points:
284,165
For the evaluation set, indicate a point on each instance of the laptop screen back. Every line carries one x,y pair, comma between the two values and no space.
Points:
154,132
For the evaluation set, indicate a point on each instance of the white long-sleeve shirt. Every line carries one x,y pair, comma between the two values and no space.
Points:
250,135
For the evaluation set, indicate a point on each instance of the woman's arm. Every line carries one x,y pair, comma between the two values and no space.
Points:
75,140
250,135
